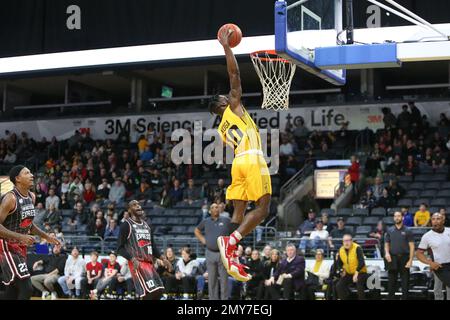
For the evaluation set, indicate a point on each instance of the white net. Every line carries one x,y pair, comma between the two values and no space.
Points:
276,75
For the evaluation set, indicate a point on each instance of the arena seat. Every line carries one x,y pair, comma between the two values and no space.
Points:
439,202
345,212
370,221
363,230
416,186
378,212
361,212
354,221
434,185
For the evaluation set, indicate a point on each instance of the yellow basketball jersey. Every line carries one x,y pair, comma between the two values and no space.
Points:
241,133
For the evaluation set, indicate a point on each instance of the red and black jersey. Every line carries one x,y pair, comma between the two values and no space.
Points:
136,241
20,219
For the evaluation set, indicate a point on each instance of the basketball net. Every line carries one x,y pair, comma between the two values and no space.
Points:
275,74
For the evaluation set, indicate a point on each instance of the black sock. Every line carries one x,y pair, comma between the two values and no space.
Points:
234,227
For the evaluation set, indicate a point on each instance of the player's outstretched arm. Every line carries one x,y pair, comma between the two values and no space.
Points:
50,239
7,205
233,73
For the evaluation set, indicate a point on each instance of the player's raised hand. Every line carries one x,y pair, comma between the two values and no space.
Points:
224,37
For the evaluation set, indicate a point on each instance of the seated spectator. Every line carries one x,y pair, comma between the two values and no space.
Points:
147,155
40,215
395,168
73,274
167,274
53,266
97,229
103,190
117,192
40,195
290,275
64,205
269,268
336,235
10,157
142,144
52,199
411,167
78,216
185,274
422,216
110,271
191,193
255,269
112,230
408,219
319,236
94,271
395,190
53,217
368,201
305,229
176,193
220,190
438,159
316,275
325,221
222,211
89,193
351,261
124,281
377,188
286,147
265,255
144,192
165,199
386,201
373,167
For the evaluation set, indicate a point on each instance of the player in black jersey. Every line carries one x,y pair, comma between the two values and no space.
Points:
137,246
16,233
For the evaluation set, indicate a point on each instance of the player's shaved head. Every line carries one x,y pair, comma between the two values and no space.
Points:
135,209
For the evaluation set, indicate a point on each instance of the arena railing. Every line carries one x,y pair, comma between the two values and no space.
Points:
296,180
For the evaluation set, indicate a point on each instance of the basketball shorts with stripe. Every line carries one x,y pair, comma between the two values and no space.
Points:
13,261
146,279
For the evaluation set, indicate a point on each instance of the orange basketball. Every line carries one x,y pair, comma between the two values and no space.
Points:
235,37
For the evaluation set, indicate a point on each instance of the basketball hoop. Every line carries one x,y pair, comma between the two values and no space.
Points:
275,74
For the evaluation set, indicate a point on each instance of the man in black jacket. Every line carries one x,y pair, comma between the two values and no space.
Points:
53,268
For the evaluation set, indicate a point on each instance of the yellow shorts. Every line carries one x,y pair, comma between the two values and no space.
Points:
250,178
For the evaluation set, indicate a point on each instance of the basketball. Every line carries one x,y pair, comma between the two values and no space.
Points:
236,37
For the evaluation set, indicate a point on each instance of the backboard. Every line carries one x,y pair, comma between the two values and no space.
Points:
311,34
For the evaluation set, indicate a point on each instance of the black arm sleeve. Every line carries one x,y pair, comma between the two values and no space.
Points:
360,256
123,238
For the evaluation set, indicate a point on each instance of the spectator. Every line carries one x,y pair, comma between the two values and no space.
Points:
316,275
220,190
408,219
389,119
353,171
53,217
97,229
404,119
265,256
300,131
368,201
222,211
89,193
176,193
255,269
438,241
395,190
396,168
78,215
144,192
110,271
10,157
53,266
309,203
399,254
147,155
103,190
73,274
124,280
290,275
286,147
351,261
422,216
39,218
94,271
319,236
305,229
40,195
52,199
142,144
377,188
325,221
191,193
336,235
269,268
186,270
112,230
386,201
167,273
117,192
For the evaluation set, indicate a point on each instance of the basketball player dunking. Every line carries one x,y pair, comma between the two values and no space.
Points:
137,246
16,230
250,175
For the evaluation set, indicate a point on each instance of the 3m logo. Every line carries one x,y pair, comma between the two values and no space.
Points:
374,119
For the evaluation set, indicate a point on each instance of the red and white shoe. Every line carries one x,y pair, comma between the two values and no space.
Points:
237,271
227,251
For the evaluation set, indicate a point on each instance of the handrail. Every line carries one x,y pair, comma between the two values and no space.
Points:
295,180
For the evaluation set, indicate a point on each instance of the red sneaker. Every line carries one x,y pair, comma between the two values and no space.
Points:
237,271
227,251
